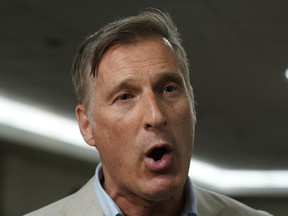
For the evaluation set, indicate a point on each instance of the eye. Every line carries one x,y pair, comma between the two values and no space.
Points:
169,88
124,97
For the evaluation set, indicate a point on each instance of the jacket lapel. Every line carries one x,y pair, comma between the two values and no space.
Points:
206,204
84,202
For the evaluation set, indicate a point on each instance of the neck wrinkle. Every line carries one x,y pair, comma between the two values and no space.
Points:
133,205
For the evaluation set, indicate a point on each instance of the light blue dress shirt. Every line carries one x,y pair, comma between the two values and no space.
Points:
109,207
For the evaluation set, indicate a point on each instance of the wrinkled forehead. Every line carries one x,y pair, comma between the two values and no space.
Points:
136,39
153,52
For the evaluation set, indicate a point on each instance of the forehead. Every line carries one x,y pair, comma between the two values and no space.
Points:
149,53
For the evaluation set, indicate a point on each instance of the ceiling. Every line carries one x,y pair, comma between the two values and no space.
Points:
238,52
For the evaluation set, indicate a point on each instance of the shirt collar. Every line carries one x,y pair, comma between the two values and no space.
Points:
109,207
190,207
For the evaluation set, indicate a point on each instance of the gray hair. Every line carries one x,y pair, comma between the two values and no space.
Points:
148,23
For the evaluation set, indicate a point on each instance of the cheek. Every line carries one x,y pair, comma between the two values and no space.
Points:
114,140
113,137
184,124
183,115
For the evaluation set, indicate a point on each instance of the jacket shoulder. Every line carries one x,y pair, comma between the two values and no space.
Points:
210,203
83,202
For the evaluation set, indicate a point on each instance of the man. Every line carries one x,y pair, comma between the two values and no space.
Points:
136,107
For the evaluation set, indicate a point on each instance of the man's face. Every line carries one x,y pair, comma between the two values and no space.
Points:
143,124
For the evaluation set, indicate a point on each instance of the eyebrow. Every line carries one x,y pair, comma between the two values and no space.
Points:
158,79
123,84
168,77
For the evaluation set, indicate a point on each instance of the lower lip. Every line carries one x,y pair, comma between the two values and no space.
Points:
159,165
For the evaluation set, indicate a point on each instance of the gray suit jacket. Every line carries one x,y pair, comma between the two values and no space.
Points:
84,203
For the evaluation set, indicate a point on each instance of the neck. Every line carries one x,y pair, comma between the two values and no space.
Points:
131,204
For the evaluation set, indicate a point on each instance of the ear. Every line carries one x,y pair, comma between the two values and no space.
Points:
84,124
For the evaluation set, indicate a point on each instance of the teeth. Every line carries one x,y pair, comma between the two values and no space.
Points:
157,153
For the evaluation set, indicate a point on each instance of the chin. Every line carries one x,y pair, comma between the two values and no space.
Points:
164,188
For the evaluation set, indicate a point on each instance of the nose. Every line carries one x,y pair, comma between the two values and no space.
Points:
154,113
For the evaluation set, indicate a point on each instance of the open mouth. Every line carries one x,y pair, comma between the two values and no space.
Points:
157,153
